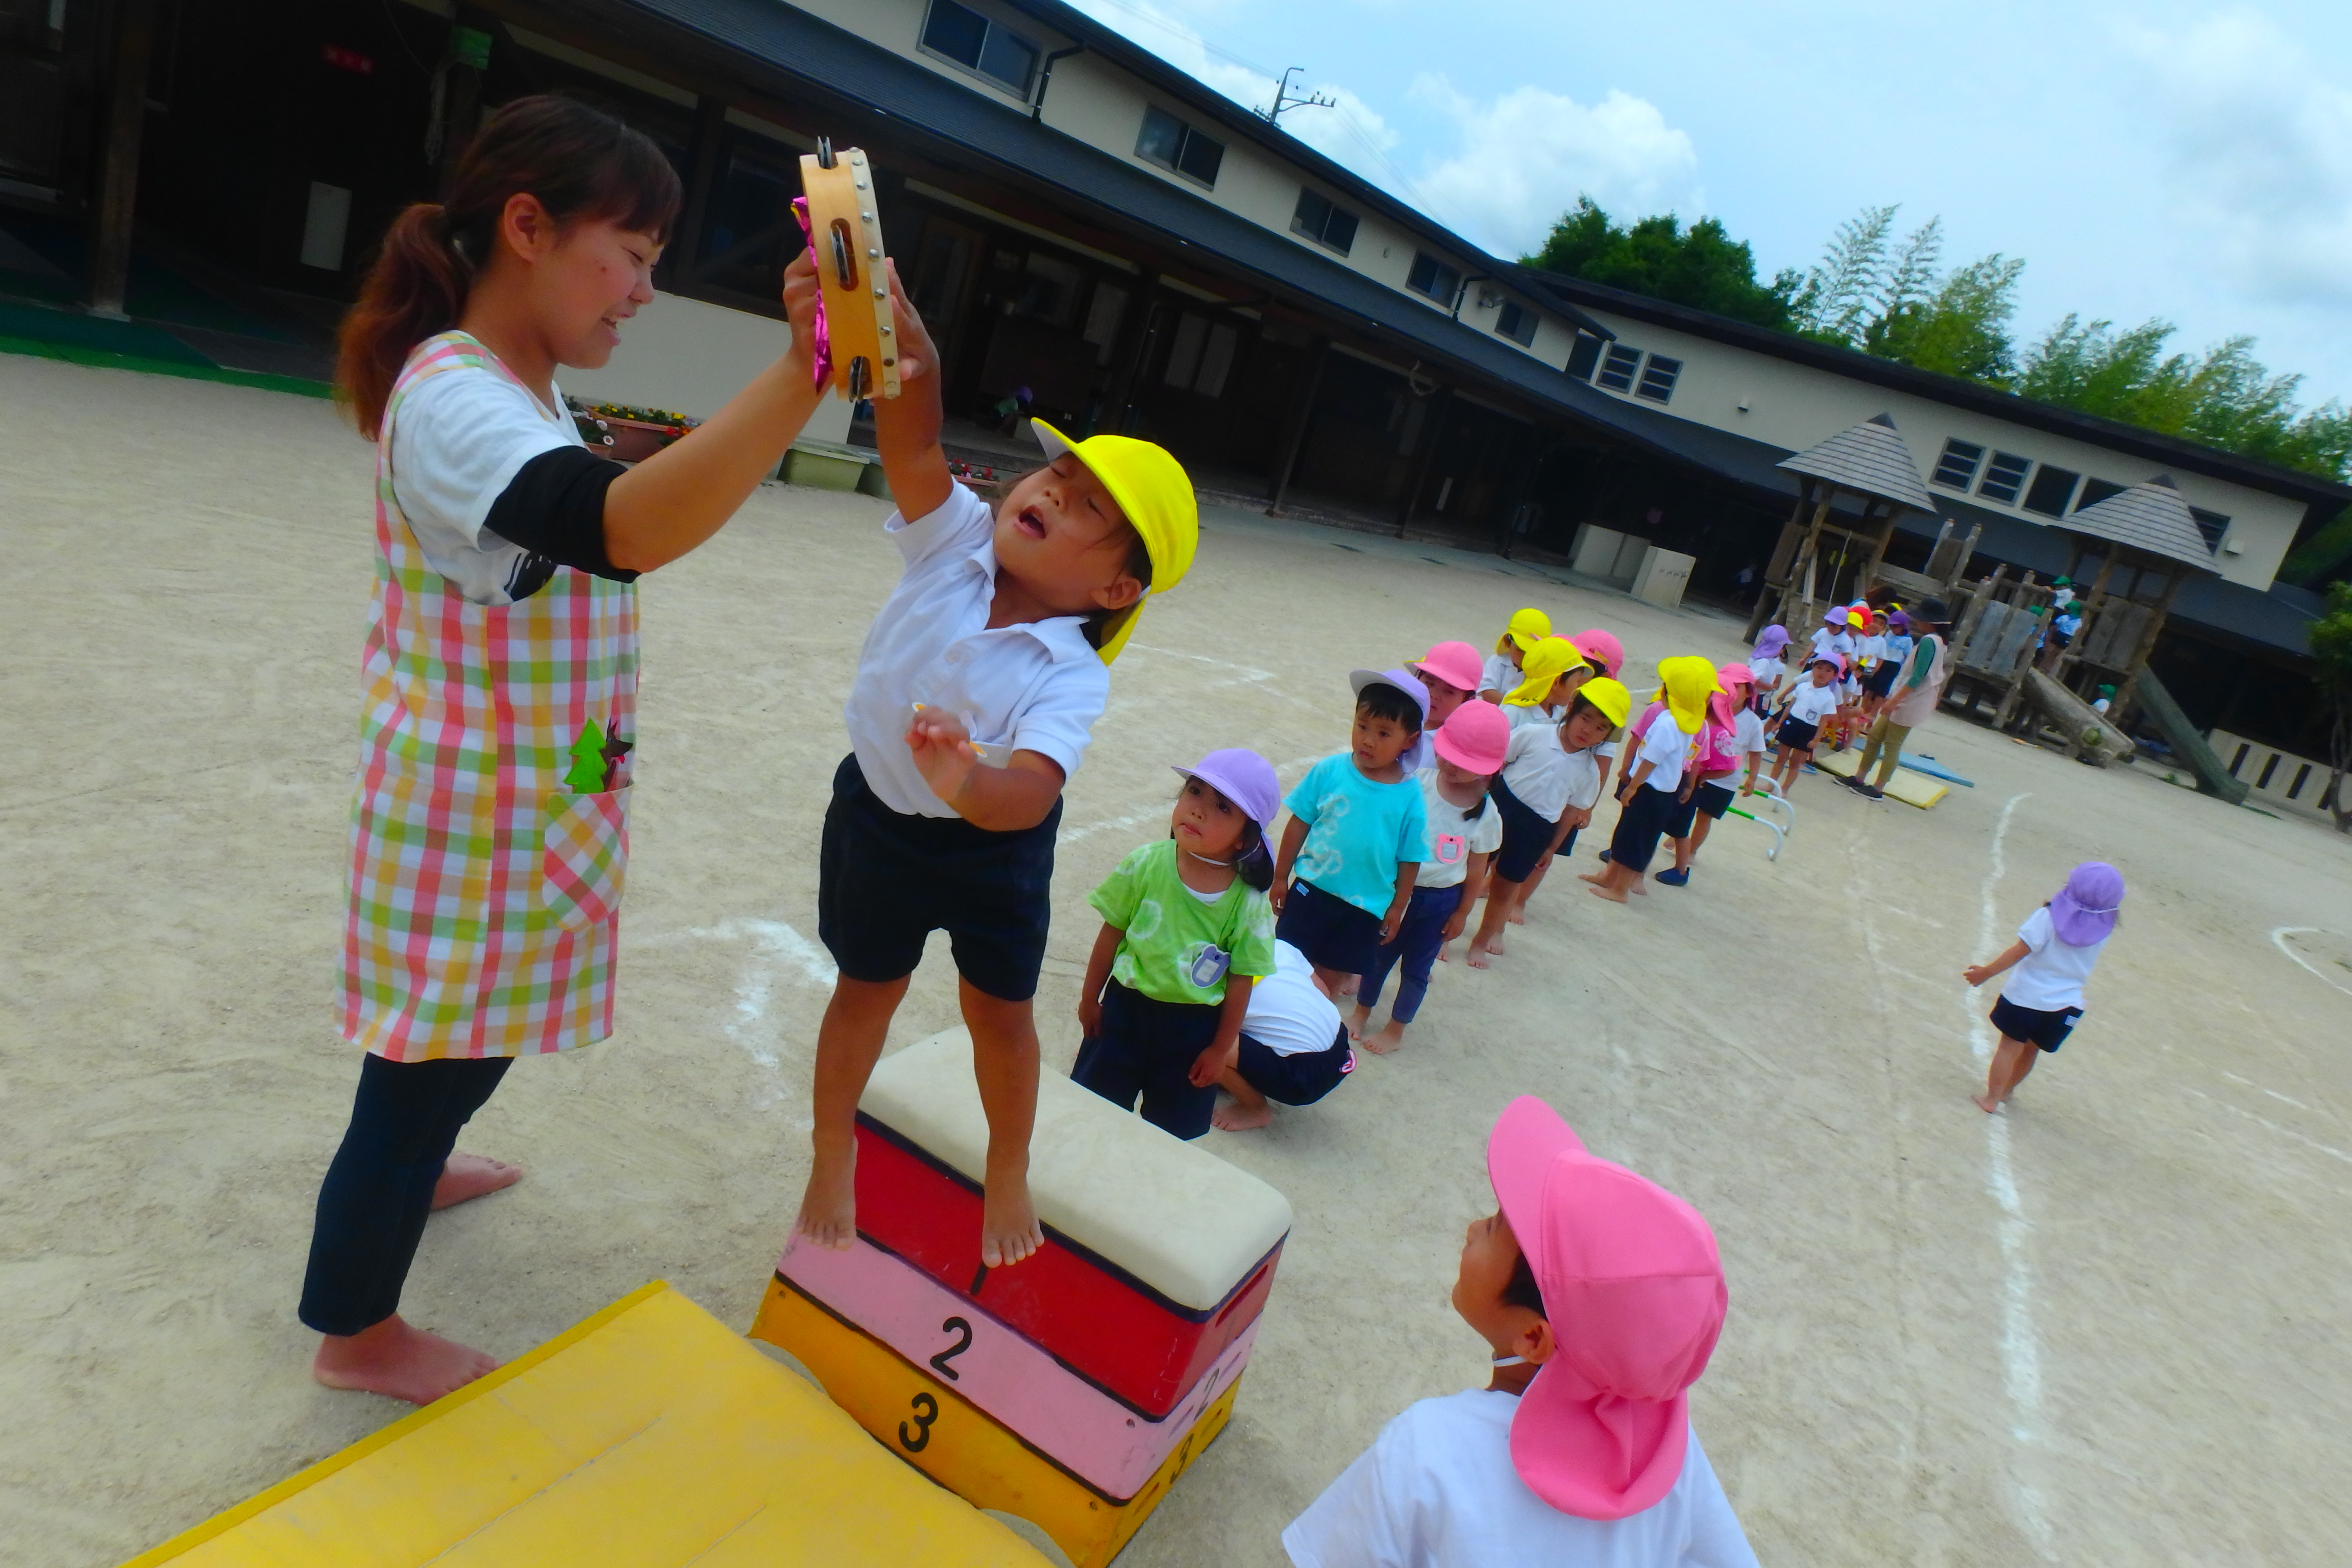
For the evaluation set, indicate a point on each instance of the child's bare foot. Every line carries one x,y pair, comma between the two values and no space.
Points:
399,1361
1445,950
1357,1020
1234,1117
1597,879
1476,957
828,1216
1986,1103
467,1176
1641,888
1389,1037
1517,917
1603,890
1347,986
1009,1230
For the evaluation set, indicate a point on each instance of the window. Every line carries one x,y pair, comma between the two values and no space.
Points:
965,36
1617,367
2053,489
1584,355
1172,144
2211,524
1434,278
2004,476
1956,468
1518,322
2096,490
1200,355
1658,378
1323,223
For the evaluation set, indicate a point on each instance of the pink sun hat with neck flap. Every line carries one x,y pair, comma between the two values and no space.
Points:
1456,663
1632,1287
1475,736
1602,648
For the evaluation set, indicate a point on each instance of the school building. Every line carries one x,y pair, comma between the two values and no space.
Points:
1081,223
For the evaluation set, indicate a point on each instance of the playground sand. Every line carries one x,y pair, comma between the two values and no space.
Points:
2103,1328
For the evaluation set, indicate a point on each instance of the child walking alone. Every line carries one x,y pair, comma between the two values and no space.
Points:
1356,834
1186,932
2054,952
976,692
1465,830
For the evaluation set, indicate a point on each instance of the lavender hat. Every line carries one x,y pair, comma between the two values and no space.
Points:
2085,911
1244,778
1423,752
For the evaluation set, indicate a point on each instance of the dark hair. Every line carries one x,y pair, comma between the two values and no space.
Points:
1522,1291
1382,700
1137,566
1255,865
1584,704
583,166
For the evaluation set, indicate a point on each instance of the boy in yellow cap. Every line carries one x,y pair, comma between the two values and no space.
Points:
1528,628
975,693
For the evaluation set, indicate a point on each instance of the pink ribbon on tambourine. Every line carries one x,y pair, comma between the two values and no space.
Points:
821,349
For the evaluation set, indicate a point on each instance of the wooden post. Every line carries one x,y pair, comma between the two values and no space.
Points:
1441,402
1295,440
2094,604
2119,711
1774,590
118,195
1801,570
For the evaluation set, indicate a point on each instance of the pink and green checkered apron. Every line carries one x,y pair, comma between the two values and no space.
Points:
484,894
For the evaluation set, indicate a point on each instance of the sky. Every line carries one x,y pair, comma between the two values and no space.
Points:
2184,161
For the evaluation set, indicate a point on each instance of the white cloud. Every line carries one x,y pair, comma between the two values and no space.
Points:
2257,145
1522,159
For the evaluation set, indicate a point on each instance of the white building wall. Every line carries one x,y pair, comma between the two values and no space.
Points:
1796,405
689,357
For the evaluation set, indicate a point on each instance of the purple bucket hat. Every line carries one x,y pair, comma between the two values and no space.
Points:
1244,778
2085,911
1771,641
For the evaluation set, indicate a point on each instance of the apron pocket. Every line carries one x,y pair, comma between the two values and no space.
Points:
583,856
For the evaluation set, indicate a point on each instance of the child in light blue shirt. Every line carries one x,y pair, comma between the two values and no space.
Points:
1357,835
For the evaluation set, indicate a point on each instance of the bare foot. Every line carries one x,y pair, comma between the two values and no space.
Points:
1986,1103
1387,1040
1347,986
1445,950
1614,895
1357,1020
1517,917
1495,944
397,1361
1234,1117
467,1176
1595,877
828,1216
1476,957
1642,889
1009,1230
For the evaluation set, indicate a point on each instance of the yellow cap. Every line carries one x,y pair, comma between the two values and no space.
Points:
1528,628
1689,680
1610,697
1151,487
1546,662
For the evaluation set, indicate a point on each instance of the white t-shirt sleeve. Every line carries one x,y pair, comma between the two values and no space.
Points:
1363,1520
957,523
1606,749
2038,930
1717,1539
1663,746
1059,718
458,441
1487,833
1500,675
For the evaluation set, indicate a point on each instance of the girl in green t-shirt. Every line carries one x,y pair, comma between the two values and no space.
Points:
1186,930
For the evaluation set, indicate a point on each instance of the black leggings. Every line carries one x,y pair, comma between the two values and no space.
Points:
372,1204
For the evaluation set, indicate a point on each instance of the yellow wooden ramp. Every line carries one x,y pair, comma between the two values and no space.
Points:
1910,788
648,1435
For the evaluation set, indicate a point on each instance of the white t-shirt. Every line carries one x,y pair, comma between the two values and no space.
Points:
1838,642
1873,648
1452,841
1810,704
1668,750
2050,978
1037,687
1532,713
1287,1014
1436,1490
1499,675
457,443
1747,732
1766,671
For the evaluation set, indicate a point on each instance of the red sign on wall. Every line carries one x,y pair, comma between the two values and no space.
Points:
345,60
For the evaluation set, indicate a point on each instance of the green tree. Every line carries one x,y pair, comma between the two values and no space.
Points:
1702,266
1961,327
2331,647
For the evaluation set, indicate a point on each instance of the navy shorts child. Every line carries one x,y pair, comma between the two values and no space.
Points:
1638,825
2045,1028
1146,1048
887,879
1526,834
1301,1078
1881,679
1798,734
1333,933
1713,799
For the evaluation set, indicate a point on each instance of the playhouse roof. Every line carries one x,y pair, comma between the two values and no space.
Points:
1871,458
2151,516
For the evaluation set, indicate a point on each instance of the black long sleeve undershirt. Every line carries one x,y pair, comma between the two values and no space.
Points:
554,509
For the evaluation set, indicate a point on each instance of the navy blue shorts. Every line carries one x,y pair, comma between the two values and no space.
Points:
1526,834
2047,1028
1147,1047
1639,823
1798,734
1881,679
887,880
1330,931
1713,799
1300,1079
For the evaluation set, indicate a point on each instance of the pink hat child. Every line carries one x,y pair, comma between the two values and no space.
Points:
1475,737
1602,649
1633,1298
1454,665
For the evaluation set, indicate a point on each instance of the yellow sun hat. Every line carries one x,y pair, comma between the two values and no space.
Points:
1687,681
1610,697
1546,662
1528,628
1152,488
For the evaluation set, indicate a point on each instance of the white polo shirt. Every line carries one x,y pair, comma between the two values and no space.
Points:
1037,687
1287,1014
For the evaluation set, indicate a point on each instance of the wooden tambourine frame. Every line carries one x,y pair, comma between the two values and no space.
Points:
848,238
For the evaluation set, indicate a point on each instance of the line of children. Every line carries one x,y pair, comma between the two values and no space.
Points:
1735,739
1550,781
1804,708
1528,628
1653,780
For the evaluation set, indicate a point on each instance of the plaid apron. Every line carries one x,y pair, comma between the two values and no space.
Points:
484,893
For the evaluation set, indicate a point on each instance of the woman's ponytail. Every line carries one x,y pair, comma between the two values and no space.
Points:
579,162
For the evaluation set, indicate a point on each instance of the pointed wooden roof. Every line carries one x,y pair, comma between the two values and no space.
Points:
1870,458
2152,517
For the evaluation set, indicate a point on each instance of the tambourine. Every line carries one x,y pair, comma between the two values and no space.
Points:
848,238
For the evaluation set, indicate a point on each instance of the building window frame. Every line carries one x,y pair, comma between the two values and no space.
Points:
977,67
2051,491
2004,477
1659,374
1184,155
1518,323
1956,467
1327,223
1619,364
1434,279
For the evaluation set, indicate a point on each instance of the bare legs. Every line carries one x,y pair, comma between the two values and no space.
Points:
1504,899
2011,1060
1004,1064
1249,1109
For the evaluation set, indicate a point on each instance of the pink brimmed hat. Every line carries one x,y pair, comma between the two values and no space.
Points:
1475,736
1603,648
1633,1291
1456,663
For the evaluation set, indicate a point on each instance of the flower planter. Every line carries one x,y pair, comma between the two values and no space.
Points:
627,440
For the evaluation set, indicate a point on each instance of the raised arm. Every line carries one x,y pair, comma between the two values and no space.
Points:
907,427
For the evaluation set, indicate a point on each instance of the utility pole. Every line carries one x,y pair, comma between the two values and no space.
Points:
1284,99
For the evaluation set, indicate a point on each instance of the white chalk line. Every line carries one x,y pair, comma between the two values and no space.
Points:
2274,1094
2021,1346
778,952
2327,1149
2278,939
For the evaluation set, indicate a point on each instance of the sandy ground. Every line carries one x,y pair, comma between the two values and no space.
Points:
2104,1328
